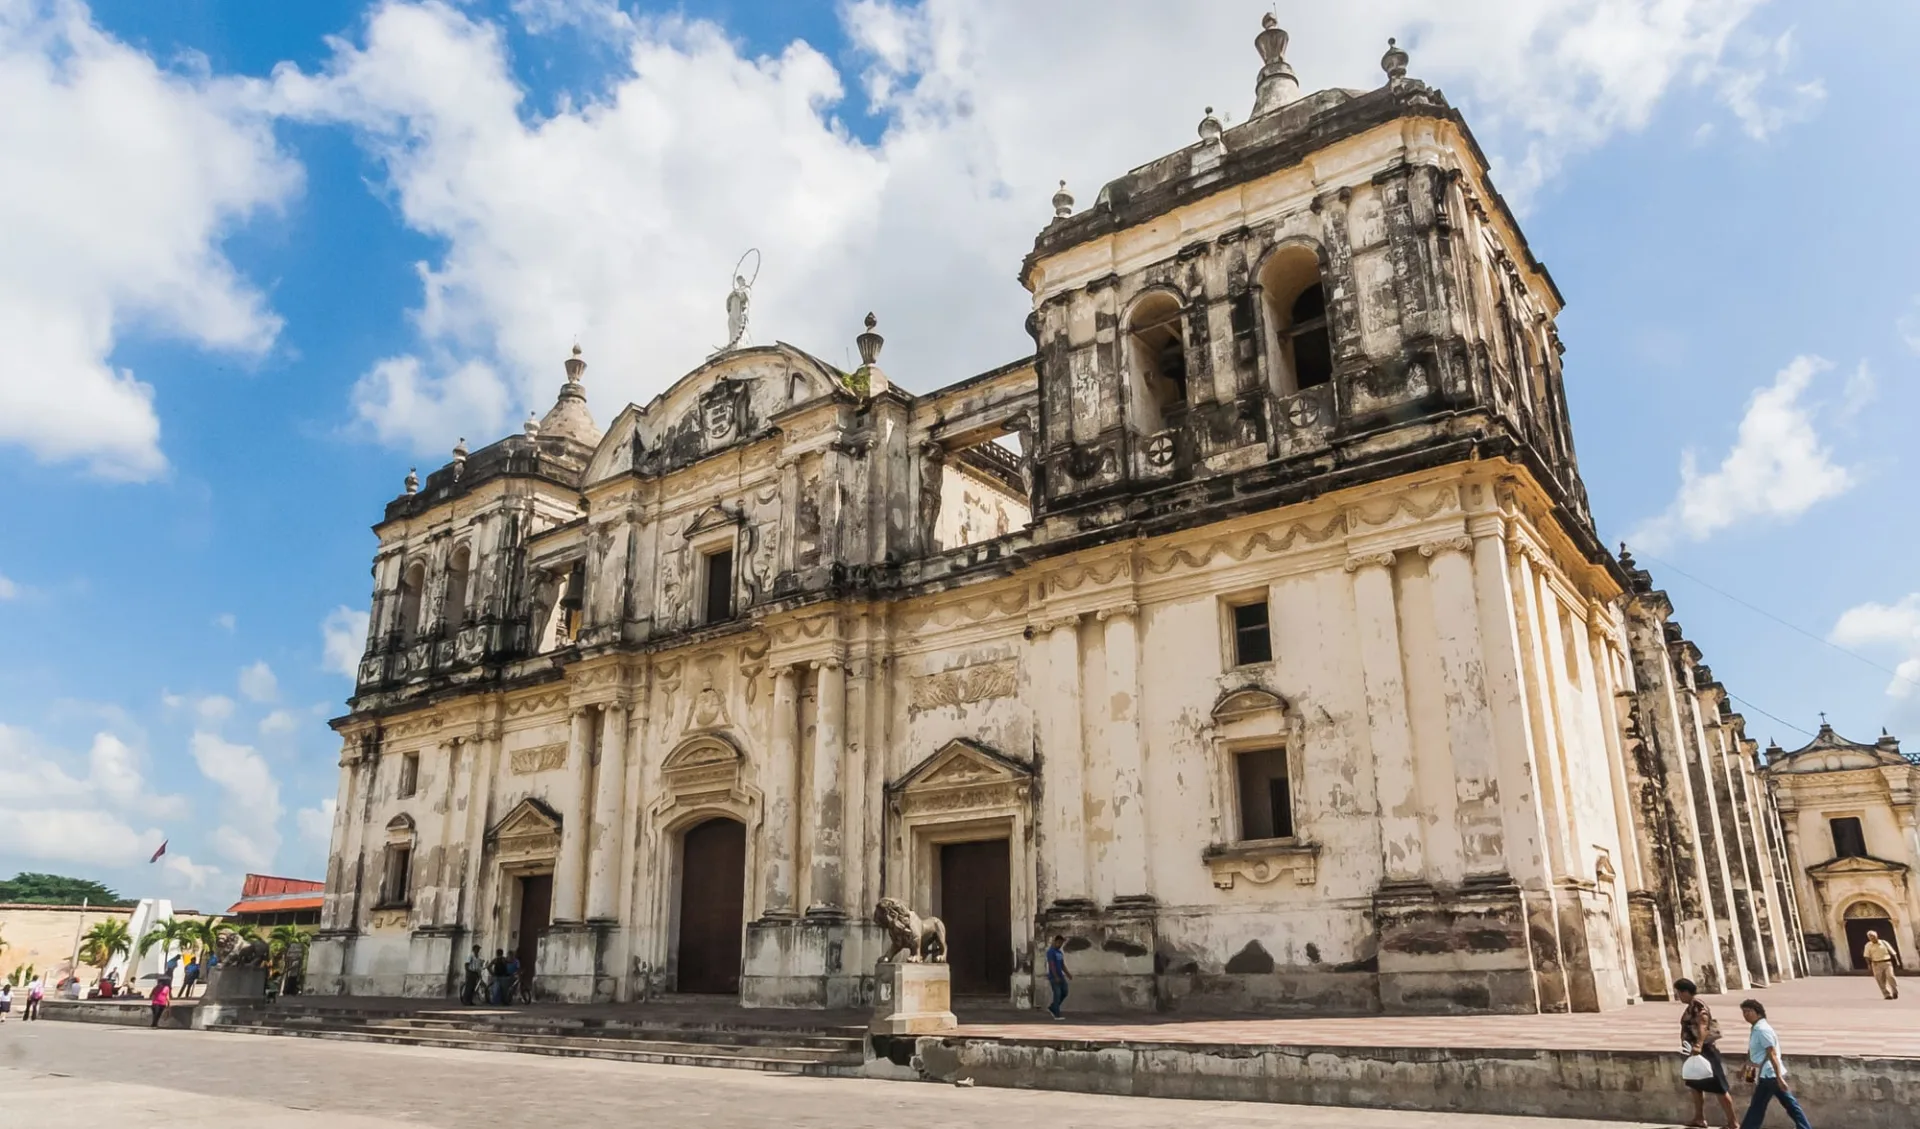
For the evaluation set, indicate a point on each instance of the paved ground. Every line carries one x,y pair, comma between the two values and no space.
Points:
1822,1015
69,1075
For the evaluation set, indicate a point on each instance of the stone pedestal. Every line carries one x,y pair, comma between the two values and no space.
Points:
329,958
432,959
912,999
1460,952
811,962
572,966
236,985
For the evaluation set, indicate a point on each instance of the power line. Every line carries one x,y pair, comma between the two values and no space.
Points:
1764,713
1668,565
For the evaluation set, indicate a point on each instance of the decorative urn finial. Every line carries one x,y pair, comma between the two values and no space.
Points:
1210,128
1062,202
532,426
459,458
1276,85
413,480
869,343
575,366
1394,62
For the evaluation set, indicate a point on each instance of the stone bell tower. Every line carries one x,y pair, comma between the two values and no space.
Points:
1329,291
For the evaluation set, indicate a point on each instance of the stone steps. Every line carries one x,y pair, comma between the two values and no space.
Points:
776,1052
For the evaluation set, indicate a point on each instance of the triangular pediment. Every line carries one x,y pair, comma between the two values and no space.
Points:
963,763
713,517
1838,867
528,819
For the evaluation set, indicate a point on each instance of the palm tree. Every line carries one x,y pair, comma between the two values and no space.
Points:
203,935
106,940
171,935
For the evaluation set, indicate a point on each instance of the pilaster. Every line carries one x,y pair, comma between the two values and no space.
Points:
1402,846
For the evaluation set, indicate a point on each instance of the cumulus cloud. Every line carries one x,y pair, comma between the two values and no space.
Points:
279,723
316,823
187,875
1909,325
1777,469
249,833
343,639
258,683
8,589
225,622
619,217
124,181
56,808
1895,626
214,708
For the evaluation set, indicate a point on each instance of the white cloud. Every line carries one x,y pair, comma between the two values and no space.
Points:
250,832
1754,89
225,622
123,182
1777,469
8,589
51,811
618,219
279,723
214,708
1895,625
316,823
1909,325
186,874
343,639
258,683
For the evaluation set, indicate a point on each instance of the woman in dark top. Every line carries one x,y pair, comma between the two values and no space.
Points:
1700,1031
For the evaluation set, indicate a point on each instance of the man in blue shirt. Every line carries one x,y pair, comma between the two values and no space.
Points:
1766,1071
1057,974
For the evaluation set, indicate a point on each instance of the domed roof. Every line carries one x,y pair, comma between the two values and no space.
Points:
569,417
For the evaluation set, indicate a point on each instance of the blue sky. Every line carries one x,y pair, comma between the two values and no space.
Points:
263,258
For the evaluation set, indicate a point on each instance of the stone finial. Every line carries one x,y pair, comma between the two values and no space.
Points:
576,367
1210,128
869,343
1062,202
459,457
1394,62
1276,85
413,480
532,426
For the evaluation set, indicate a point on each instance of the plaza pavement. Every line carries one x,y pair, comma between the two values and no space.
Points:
74,1075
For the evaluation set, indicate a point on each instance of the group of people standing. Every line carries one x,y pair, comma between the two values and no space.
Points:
1700,1036
35,991
497,981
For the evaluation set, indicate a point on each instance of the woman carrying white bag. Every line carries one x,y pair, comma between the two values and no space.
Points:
1703,1071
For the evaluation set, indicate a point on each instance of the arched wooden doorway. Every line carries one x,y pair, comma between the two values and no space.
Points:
713,890
1863,918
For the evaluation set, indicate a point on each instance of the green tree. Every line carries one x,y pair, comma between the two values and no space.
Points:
171,935
283,938
106,940
20,975
57,890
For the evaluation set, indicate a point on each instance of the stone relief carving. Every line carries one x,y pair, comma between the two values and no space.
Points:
542,758
961,685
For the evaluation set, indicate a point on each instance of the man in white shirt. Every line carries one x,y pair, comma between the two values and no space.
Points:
1883,959
1765,1070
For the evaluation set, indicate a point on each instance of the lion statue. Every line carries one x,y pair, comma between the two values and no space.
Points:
238,953
921,938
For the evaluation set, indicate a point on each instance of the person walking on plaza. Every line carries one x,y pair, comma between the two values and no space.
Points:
1765,1070
497,978
36,991
513,979
6,1001
1700,1035
1057,974
1884,959
476,964
162,996
193,976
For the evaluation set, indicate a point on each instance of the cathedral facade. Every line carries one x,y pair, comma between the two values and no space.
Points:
1253,633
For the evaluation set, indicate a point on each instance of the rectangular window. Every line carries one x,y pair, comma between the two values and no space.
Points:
409,775
1849,840
1252,638
1266,794
719,586
399,866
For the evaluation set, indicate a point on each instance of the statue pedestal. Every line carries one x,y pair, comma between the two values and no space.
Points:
912,998
235,985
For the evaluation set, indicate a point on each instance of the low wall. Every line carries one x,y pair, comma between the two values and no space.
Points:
1624,1085
126,1013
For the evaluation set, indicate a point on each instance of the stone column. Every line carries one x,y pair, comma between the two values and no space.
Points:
480,767
1127,852
825,864
1544,703
609,782
783,759
569,869
1402,847
854,787
1706,798
1062,762
1470,739
446,910
1910,827
337,904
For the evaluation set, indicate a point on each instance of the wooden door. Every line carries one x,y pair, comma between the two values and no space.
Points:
713,891
1857,929
536,907
976,902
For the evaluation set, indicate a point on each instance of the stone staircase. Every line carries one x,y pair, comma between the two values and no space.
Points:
729,1043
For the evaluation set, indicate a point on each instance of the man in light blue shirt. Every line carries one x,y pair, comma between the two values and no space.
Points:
1765,1070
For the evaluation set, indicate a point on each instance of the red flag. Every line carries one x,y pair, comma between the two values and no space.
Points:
158,853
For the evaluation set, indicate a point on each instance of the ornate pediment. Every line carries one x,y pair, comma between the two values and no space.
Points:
964,764
1251,701
706,766
531,828
713,517
1840,868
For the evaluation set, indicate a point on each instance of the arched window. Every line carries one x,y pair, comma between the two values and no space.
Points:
413,582
459,570
1296,311
396,877
1156,357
